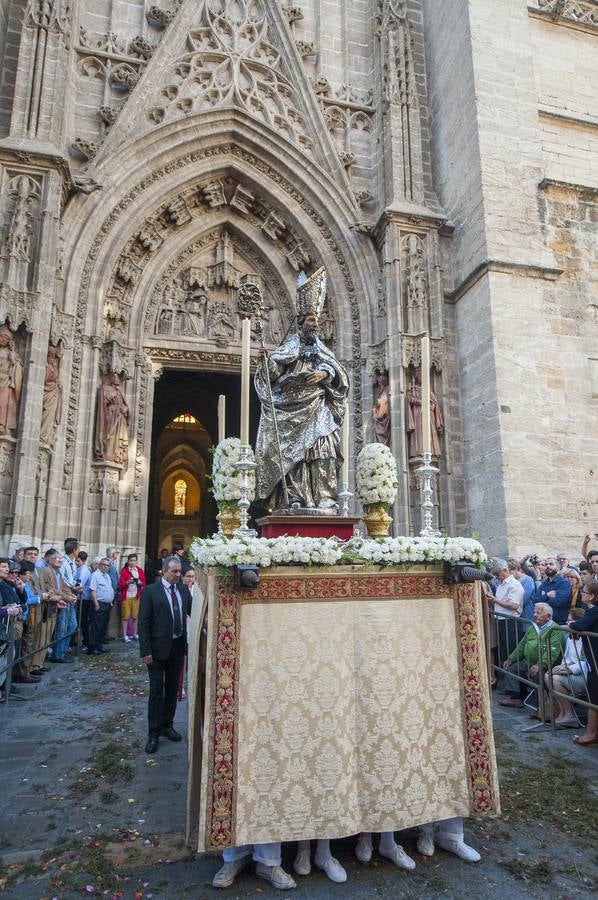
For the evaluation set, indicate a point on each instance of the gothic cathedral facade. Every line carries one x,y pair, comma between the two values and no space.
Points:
438,157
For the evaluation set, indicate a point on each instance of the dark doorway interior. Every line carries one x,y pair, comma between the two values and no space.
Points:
185,428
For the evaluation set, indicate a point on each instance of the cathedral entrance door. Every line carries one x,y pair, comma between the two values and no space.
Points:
185,428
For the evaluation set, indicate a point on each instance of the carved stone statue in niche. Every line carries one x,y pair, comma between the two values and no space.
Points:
52,404
413,418
112,422
194,315
381,408
11,380
275,329
165,322
222,325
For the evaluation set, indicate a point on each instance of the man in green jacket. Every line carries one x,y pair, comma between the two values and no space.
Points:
525,658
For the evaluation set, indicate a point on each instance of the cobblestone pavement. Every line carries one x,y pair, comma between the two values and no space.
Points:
84,811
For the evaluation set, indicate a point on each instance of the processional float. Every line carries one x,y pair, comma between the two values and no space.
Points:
340,684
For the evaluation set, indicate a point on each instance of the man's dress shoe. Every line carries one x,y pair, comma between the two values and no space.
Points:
152,744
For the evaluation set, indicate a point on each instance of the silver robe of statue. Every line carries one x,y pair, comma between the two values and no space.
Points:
309,418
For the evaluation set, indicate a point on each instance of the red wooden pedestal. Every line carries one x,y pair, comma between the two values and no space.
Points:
308,526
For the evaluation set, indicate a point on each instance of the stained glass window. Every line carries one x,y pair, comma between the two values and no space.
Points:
185,419
180,496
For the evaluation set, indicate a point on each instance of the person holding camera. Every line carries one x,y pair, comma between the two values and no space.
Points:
130,585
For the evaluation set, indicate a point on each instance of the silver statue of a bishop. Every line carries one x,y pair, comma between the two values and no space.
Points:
303,408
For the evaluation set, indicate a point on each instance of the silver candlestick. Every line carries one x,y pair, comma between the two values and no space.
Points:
345,498
245,464
427,473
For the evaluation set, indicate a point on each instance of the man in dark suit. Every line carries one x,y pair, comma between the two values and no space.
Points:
162,627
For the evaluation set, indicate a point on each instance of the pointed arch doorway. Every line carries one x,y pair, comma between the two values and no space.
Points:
185,428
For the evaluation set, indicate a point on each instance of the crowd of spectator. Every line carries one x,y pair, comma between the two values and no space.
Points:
537,606
61,601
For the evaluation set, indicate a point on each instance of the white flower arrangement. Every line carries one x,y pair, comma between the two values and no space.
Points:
376,477
405,550
286,551
226,478
264,552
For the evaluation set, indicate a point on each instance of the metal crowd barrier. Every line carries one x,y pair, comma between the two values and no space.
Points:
8,652
504,634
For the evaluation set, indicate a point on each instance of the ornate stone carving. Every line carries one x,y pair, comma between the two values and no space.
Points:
82,147
124,78
140,47
20,213
52,401
111,439
322,86
583,12
177,212
293,14
61,329
104,481
11,380
43,470
117,358
86,184
377,360
49,15
414,287
7,459
363,197
400,96
347,158
230,361
232,60
160,18
411,353
213,193
149,237
17,307
306,48
108,114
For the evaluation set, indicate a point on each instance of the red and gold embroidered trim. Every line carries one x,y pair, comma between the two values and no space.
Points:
477,731
306,588
224,702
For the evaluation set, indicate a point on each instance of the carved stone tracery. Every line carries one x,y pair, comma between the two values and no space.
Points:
414,287
231,60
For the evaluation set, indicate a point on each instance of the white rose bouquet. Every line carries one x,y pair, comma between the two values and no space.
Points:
287,551
226,478
376,477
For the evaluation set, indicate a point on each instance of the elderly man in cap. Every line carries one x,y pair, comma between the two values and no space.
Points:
531,657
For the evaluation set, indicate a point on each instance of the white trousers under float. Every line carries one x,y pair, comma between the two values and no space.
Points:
267,854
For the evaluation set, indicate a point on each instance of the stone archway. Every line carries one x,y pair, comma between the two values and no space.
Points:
165,254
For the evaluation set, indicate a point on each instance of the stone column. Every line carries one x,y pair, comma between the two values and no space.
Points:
24,306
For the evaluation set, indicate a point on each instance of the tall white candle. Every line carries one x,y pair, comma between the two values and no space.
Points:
345,472
425,377
221,418
245,357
